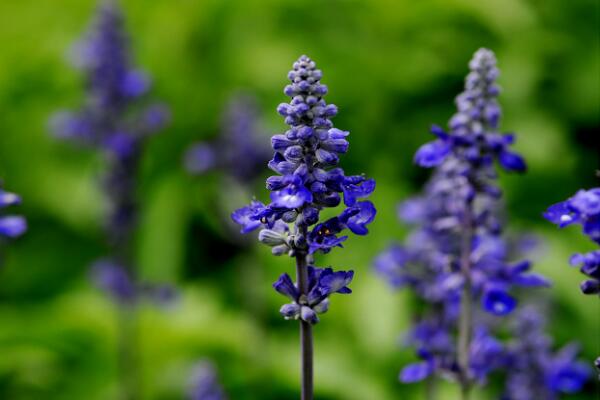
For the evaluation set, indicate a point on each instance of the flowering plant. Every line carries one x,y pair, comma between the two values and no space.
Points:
456,257
307,182
116,120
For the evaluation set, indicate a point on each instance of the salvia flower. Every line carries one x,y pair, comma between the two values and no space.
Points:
238,151
11,226
115,119
534,369
584,209
307,181
455,255
114,87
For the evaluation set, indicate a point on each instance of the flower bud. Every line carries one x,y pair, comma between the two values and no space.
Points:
280,250
322,307
307,314
271,238
290,311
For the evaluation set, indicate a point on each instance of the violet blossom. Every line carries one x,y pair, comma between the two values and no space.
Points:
307,181
455,257
117,120
582,209
534,370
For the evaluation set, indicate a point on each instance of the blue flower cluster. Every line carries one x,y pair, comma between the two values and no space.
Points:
322,282
431,272
11,226
583,208
113,89
473,134
534,370
116,120
113,118
238,151
434,344
456,248
307,179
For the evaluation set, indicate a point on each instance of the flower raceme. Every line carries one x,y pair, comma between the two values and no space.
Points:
116,120
114,88
462,184
474,128
307,181
462,192
455,255
114,117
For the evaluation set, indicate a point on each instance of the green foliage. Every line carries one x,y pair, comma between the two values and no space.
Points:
393,67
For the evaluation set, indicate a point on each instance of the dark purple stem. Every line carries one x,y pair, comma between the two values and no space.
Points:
306,338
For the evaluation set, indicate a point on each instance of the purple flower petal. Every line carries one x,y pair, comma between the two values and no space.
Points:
366,214
249,217
416,372
286,287
498,302
293,196
336,282
8,199
512,161
561,214
12,226
432,154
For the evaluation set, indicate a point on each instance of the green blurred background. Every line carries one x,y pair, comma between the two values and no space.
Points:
392,67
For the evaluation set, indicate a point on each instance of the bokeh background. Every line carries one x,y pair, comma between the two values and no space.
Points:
393,67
